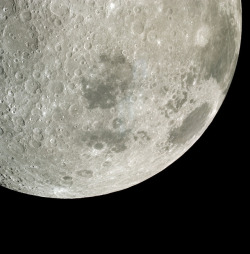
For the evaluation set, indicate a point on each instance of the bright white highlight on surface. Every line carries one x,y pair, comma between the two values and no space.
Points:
202,37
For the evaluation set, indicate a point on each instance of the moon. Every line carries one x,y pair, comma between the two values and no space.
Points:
98,96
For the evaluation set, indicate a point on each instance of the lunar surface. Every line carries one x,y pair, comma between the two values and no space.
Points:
97,96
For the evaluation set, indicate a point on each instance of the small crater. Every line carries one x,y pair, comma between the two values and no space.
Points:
137,27
38,137
58,115
67,178
137,9
19,76
169,11
87,45
119,59
152,36
31,86
203,36
56,87
19,121
104,58
36,74
39,66
58,47
26,16
106,163
59,9
99,146
85,173
71,87
75,110
3,108
67,181
35,144
142,137
1,131
78,72
1,70
117,122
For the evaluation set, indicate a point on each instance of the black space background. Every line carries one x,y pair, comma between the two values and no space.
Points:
208,177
